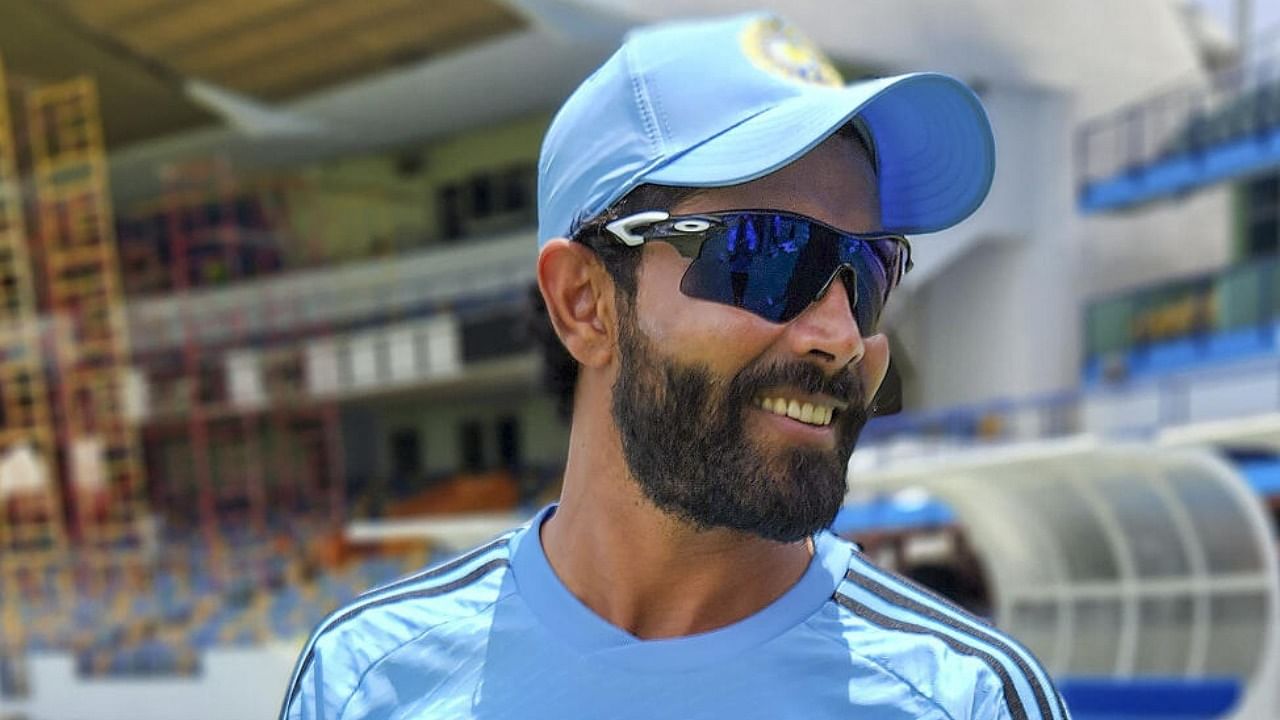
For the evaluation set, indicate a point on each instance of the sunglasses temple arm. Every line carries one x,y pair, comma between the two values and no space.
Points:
624,228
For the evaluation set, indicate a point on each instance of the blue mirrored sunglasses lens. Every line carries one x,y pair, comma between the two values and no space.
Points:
872,279
774,266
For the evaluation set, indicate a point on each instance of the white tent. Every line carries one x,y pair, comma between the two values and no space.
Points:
88,464
1120,561
21,472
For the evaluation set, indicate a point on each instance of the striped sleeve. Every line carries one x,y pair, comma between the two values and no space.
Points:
352,639
308,700
1010,682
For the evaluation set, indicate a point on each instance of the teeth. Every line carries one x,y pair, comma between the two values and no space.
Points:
804,412
793,410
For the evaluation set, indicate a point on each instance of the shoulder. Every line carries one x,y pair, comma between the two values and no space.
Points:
960,662
352,639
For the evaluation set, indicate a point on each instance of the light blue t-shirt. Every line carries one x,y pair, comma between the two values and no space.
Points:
495,634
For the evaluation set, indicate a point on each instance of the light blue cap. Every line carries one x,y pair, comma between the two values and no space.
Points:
718,102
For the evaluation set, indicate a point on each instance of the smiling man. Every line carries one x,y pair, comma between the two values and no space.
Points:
720,227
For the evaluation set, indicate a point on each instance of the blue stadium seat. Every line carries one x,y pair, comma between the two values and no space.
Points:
285,627
1263,475
245,636
1269,105
120,662
1239,344
206,635
154,657
1174,354
1184,699
287,599
884,514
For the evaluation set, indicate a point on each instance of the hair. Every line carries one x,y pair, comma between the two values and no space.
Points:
559,368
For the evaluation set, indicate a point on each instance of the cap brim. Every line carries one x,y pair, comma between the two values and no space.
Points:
934,145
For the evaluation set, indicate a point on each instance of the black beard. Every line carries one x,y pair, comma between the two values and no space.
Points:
684,438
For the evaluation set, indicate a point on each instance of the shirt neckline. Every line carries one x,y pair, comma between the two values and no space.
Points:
582,629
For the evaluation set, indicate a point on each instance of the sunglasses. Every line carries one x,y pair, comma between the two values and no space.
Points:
773,264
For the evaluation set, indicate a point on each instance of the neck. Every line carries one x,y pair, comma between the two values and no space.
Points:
643,570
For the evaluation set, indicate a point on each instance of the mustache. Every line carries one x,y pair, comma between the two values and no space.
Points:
845,385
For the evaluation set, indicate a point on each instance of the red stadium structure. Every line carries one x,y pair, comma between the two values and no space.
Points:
149,505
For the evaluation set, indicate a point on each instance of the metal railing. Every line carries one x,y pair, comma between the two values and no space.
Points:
1241,298
336,298
1138,410
1236,103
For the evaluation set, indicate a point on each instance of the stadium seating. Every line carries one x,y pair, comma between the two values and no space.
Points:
1109,699
160,627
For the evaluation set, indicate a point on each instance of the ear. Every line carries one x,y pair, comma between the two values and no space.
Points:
578,293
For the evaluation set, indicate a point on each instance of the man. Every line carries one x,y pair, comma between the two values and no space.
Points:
718,231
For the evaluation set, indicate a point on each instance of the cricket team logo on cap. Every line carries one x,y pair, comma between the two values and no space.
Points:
780,49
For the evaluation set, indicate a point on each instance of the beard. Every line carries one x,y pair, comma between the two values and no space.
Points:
684,438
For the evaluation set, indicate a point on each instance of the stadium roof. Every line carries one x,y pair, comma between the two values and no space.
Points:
272,82
152,58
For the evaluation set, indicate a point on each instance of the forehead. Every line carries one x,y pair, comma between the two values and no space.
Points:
835,183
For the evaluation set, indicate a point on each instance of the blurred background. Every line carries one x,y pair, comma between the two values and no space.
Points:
264,281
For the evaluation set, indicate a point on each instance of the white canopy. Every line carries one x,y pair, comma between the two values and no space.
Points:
21,472
1120,561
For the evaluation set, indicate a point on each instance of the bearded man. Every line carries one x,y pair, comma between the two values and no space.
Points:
720,226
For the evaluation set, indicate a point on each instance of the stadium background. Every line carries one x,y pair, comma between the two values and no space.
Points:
264,270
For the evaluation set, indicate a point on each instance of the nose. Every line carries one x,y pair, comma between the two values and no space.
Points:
826,331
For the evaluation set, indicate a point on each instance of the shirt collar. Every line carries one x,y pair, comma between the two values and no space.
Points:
580,627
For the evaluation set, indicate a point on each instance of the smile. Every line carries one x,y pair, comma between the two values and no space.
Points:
818,414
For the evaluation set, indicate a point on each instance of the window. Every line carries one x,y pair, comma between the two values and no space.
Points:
450,201
1262,237
1261,216
472,442
210,382
482,196
518,189
494,335
406,454
283,373
493,201
509,442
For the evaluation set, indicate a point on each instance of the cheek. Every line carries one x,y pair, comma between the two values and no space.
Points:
875,363
691,329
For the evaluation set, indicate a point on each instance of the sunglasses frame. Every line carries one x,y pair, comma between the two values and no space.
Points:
631,232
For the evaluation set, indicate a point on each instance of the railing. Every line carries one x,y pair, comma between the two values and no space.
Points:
1179,124
1197,349
1140,409
1003,420
1194,320
335,299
